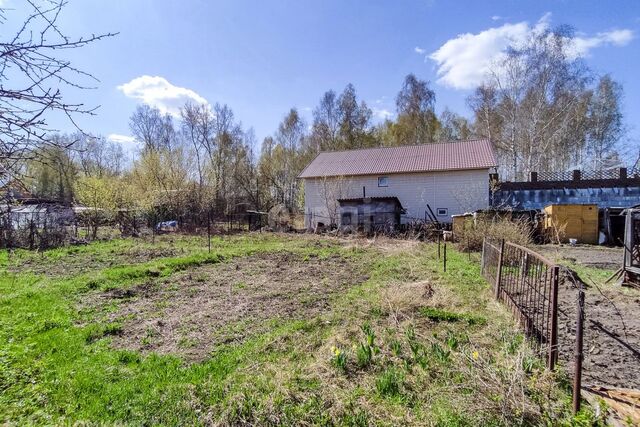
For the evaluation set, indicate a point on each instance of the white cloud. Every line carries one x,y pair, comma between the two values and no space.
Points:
129,144
382,113
580,46
158,92
464,61
419,50
496,18
121,139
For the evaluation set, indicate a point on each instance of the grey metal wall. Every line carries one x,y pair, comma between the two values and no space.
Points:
539,198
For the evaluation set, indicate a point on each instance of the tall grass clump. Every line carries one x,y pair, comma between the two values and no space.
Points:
470,237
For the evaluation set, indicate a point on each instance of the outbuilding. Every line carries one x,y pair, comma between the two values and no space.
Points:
395,185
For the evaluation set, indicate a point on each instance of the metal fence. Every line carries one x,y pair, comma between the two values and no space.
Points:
573,175
528,284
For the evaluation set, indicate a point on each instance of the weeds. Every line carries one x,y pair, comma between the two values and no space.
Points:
364,355
440,315
441,354
339,359
389,383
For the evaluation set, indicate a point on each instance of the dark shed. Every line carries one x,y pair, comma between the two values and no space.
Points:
370,213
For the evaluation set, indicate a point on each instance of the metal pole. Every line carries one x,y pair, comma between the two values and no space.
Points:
553,340
577,375
499,274
444,258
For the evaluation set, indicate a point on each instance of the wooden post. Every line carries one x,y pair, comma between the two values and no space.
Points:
577,374
553,339
499,274
484,241
444,257
209,229
438,244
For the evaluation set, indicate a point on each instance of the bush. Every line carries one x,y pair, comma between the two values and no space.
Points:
471,236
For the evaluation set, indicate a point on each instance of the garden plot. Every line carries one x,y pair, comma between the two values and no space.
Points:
611,335
194,311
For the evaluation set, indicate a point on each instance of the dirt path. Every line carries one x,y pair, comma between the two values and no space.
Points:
587,255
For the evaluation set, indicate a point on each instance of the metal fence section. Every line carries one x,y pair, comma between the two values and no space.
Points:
528,284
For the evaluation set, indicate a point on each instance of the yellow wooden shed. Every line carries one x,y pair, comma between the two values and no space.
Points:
572,221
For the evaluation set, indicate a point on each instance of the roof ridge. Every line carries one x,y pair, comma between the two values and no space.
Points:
405,146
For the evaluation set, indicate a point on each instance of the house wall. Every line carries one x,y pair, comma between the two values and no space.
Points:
457,191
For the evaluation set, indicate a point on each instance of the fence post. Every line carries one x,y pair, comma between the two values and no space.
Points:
444,257
577,375
553,340
499,274
484,242
438,244
209,229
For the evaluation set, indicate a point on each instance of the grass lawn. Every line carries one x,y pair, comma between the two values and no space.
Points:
266,329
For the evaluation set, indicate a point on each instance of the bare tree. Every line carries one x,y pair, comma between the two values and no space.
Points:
153,129
326,123
605,121
332,189
31,77
415,103
534,105
354,126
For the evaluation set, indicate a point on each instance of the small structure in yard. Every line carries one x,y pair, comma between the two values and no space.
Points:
369,214
571,221
630,270
451,178
36,223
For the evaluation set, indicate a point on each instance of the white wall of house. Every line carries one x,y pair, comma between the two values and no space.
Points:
447,192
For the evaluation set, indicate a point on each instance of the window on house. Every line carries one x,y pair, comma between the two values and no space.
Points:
383,181
443,211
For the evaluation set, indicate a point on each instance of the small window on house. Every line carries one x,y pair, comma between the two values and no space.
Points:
443,211
383,181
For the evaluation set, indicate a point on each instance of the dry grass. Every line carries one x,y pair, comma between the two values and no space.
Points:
515,231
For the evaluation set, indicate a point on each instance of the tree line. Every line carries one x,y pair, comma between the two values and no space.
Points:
541,106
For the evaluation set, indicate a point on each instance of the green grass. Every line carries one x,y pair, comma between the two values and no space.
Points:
440,315
57,364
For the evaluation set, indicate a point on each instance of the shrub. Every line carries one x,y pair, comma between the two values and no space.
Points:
472,235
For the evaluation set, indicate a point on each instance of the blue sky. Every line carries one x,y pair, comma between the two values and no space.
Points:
264,57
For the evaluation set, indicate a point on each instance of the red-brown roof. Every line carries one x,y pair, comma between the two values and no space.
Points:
474,154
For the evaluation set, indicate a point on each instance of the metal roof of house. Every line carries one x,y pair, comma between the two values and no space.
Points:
472,154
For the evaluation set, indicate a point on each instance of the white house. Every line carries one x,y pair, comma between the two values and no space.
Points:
392,185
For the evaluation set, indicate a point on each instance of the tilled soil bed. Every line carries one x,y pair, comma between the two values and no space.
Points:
611,336
192,312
